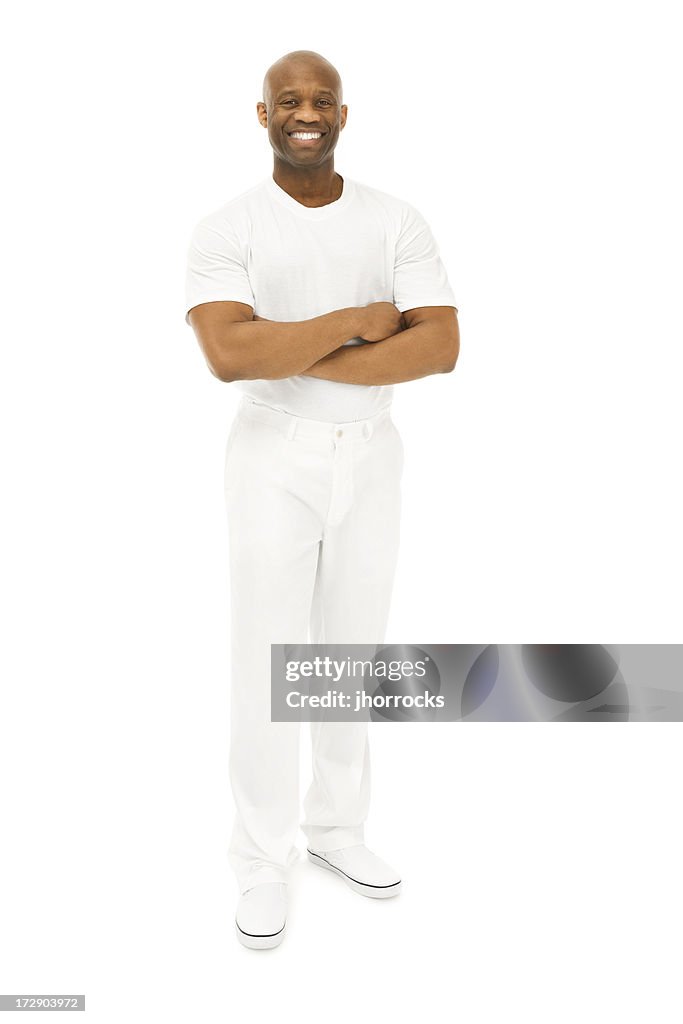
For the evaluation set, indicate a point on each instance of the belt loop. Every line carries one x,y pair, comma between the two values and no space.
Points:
291,429
367,430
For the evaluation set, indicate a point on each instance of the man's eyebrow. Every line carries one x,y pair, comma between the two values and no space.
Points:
283,92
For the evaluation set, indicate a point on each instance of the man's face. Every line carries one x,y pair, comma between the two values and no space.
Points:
302,99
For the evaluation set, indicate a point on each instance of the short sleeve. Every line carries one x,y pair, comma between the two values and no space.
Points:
216,268
420,277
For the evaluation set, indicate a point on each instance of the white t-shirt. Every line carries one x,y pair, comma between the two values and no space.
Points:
292,262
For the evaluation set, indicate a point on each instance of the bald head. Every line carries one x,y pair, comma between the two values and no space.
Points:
302,91
292,64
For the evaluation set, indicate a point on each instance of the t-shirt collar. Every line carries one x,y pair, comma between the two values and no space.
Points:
311,212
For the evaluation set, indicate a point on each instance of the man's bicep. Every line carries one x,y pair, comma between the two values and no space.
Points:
216,268
420,278
206,316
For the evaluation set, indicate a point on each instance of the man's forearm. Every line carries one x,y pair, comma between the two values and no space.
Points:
416,352
262,349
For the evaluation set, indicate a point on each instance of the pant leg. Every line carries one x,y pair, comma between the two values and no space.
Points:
351,605
274,536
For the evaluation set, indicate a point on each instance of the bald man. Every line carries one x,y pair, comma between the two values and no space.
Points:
315,294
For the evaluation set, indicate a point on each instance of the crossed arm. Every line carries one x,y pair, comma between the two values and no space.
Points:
430,343
240,346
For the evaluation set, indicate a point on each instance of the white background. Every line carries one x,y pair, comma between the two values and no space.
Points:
541,864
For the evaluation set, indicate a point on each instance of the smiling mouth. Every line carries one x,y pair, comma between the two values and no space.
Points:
299,136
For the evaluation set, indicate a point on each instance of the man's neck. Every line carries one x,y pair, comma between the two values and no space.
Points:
318,186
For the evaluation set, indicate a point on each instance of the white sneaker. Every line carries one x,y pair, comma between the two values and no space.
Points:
261,915
363,871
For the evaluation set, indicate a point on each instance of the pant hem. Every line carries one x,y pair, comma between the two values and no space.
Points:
333,839
261,875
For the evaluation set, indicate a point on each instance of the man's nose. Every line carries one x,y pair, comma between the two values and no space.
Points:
308,116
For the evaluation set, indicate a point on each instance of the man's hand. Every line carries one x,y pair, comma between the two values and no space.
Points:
381,320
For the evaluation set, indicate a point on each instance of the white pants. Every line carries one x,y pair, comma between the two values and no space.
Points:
313,514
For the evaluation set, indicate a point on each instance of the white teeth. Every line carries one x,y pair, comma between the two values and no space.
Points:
305,135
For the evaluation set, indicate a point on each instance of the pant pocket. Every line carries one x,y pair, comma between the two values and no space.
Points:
254,455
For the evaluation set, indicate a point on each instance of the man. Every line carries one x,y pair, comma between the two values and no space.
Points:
315,294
